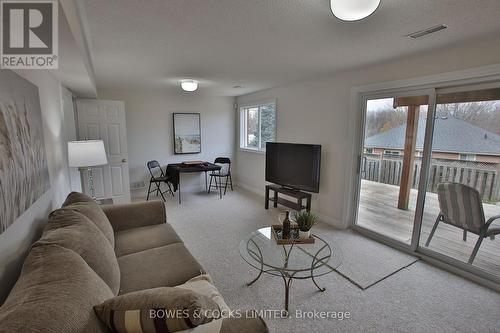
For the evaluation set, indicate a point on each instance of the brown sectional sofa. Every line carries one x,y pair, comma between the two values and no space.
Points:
89,253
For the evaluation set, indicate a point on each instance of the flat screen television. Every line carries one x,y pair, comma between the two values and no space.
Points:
293,165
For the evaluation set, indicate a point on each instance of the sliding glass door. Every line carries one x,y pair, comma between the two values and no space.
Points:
429,174
466,151
390,164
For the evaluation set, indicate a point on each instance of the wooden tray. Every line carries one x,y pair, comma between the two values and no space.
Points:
294,229
190,163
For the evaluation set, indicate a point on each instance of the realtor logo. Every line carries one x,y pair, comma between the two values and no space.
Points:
29,34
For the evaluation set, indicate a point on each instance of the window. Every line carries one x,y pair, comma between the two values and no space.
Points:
467,157
258,125
391,152
368,150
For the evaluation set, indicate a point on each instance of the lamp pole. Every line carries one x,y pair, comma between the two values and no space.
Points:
90,181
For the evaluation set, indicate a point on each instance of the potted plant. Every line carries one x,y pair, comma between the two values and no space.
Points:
305,221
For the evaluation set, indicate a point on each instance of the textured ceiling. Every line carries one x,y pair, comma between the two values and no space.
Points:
258,44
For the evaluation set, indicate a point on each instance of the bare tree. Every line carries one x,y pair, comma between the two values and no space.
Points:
482,114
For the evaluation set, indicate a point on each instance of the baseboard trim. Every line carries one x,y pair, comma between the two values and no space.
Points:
251,189
141,192
322,217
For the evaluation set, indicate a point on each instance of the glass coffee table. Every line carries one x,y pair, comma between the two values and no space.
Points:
295,261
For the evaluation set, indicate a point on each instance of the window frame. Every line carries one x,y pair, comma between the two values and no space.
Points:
243,128
485,77
391,152
467,157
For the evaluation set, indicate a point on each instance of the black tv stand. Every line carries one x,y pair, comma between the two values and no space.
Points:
290,192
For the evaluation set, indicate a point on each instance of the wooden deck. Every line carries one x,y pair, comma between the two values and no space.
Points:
378,212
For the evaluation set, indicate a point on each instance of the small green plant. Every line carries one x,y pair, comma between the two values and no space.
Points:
305,220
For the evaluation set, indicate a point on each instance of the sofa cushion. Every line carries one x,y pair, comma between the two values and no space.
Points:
135,214
204,285
76,232
55,293
248,322
85,205
164,266
77,197
163,309
143,238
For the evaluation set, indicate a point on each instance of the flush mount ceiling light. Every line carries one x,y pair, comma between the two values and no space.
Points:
353,10
189,85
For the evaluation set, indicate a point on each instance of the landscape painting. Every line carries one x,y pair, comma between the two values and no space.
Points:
187,133
24,175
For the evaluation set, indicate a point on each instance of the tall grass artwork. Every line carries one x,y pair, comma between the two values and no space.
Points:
24,175
187,133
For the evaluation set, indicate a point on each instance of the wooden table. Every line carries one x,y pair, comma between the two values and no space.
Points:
204,167
298,195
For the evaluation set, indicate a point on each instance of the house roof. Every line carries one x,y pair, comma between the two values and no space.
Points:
450,135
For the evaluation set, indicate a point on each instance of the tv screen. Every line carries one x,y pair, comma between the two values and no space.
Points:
293,165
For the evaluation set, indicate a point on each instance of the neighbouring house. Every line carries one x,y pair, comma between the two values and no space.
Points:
453,139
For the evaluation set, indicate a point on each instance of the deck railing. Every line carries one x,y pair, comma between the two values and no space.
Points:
483,176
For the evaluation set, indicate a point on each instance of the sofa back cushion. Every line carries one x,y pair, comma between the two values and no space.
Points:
87,206
55,293
76,232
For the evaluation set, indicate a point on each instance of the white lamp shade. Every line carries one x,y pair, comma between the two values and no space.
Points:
353,10
86,153
189,85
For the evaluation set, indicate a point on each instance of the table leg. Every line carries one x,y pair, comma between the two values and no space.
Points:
255,280
179,188
313,266
308,208
261,259
320,289
275,199
288,283
266,205
206,182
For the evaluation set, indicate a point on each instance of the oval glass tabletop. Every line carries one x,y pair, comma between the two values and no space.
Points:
300,261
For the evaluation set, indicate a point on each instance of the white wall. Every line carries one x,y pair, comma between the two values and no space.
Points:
149,130
15,241
317,111
69,129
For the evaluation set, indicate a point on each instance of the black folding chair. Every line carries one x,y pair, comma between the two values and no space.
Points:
224,172
158,177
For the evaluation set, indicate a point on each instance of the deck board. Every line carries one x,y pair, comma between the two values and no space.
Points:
378,212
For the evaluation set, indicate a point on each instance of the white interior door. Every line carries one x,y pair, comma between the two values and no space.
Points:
105,120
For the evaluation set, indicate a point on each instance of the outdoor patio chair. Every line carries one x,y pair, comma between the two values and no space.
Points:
461,206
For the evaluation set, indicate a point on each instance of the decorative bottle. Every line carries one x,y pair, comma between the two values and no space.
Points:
286,226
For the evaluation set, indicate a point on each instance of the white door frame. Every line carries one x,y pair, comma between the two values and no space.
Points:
482,77
117,161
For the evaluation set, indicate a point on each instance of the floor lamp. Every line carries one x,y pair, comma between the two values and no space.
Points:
86,154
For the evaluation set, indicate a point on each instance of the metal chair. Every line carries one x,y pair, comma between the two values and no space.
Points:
224,172
158,177
462,207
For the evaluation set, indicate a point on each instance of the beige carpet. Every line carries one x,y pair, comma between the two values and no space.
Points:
417,298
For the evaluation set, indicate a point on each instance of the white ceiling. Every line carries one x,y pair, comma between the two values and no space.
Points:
262,43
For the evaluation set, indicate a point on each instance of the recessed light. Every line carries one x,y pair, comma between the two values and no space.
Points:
353,10
189,85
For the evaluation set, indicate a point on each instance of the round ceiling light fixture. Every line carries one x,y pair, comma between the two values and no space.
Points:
353,10
189,85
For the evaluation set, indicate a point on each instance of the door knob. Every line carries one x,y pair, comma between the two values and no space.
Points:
124,160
